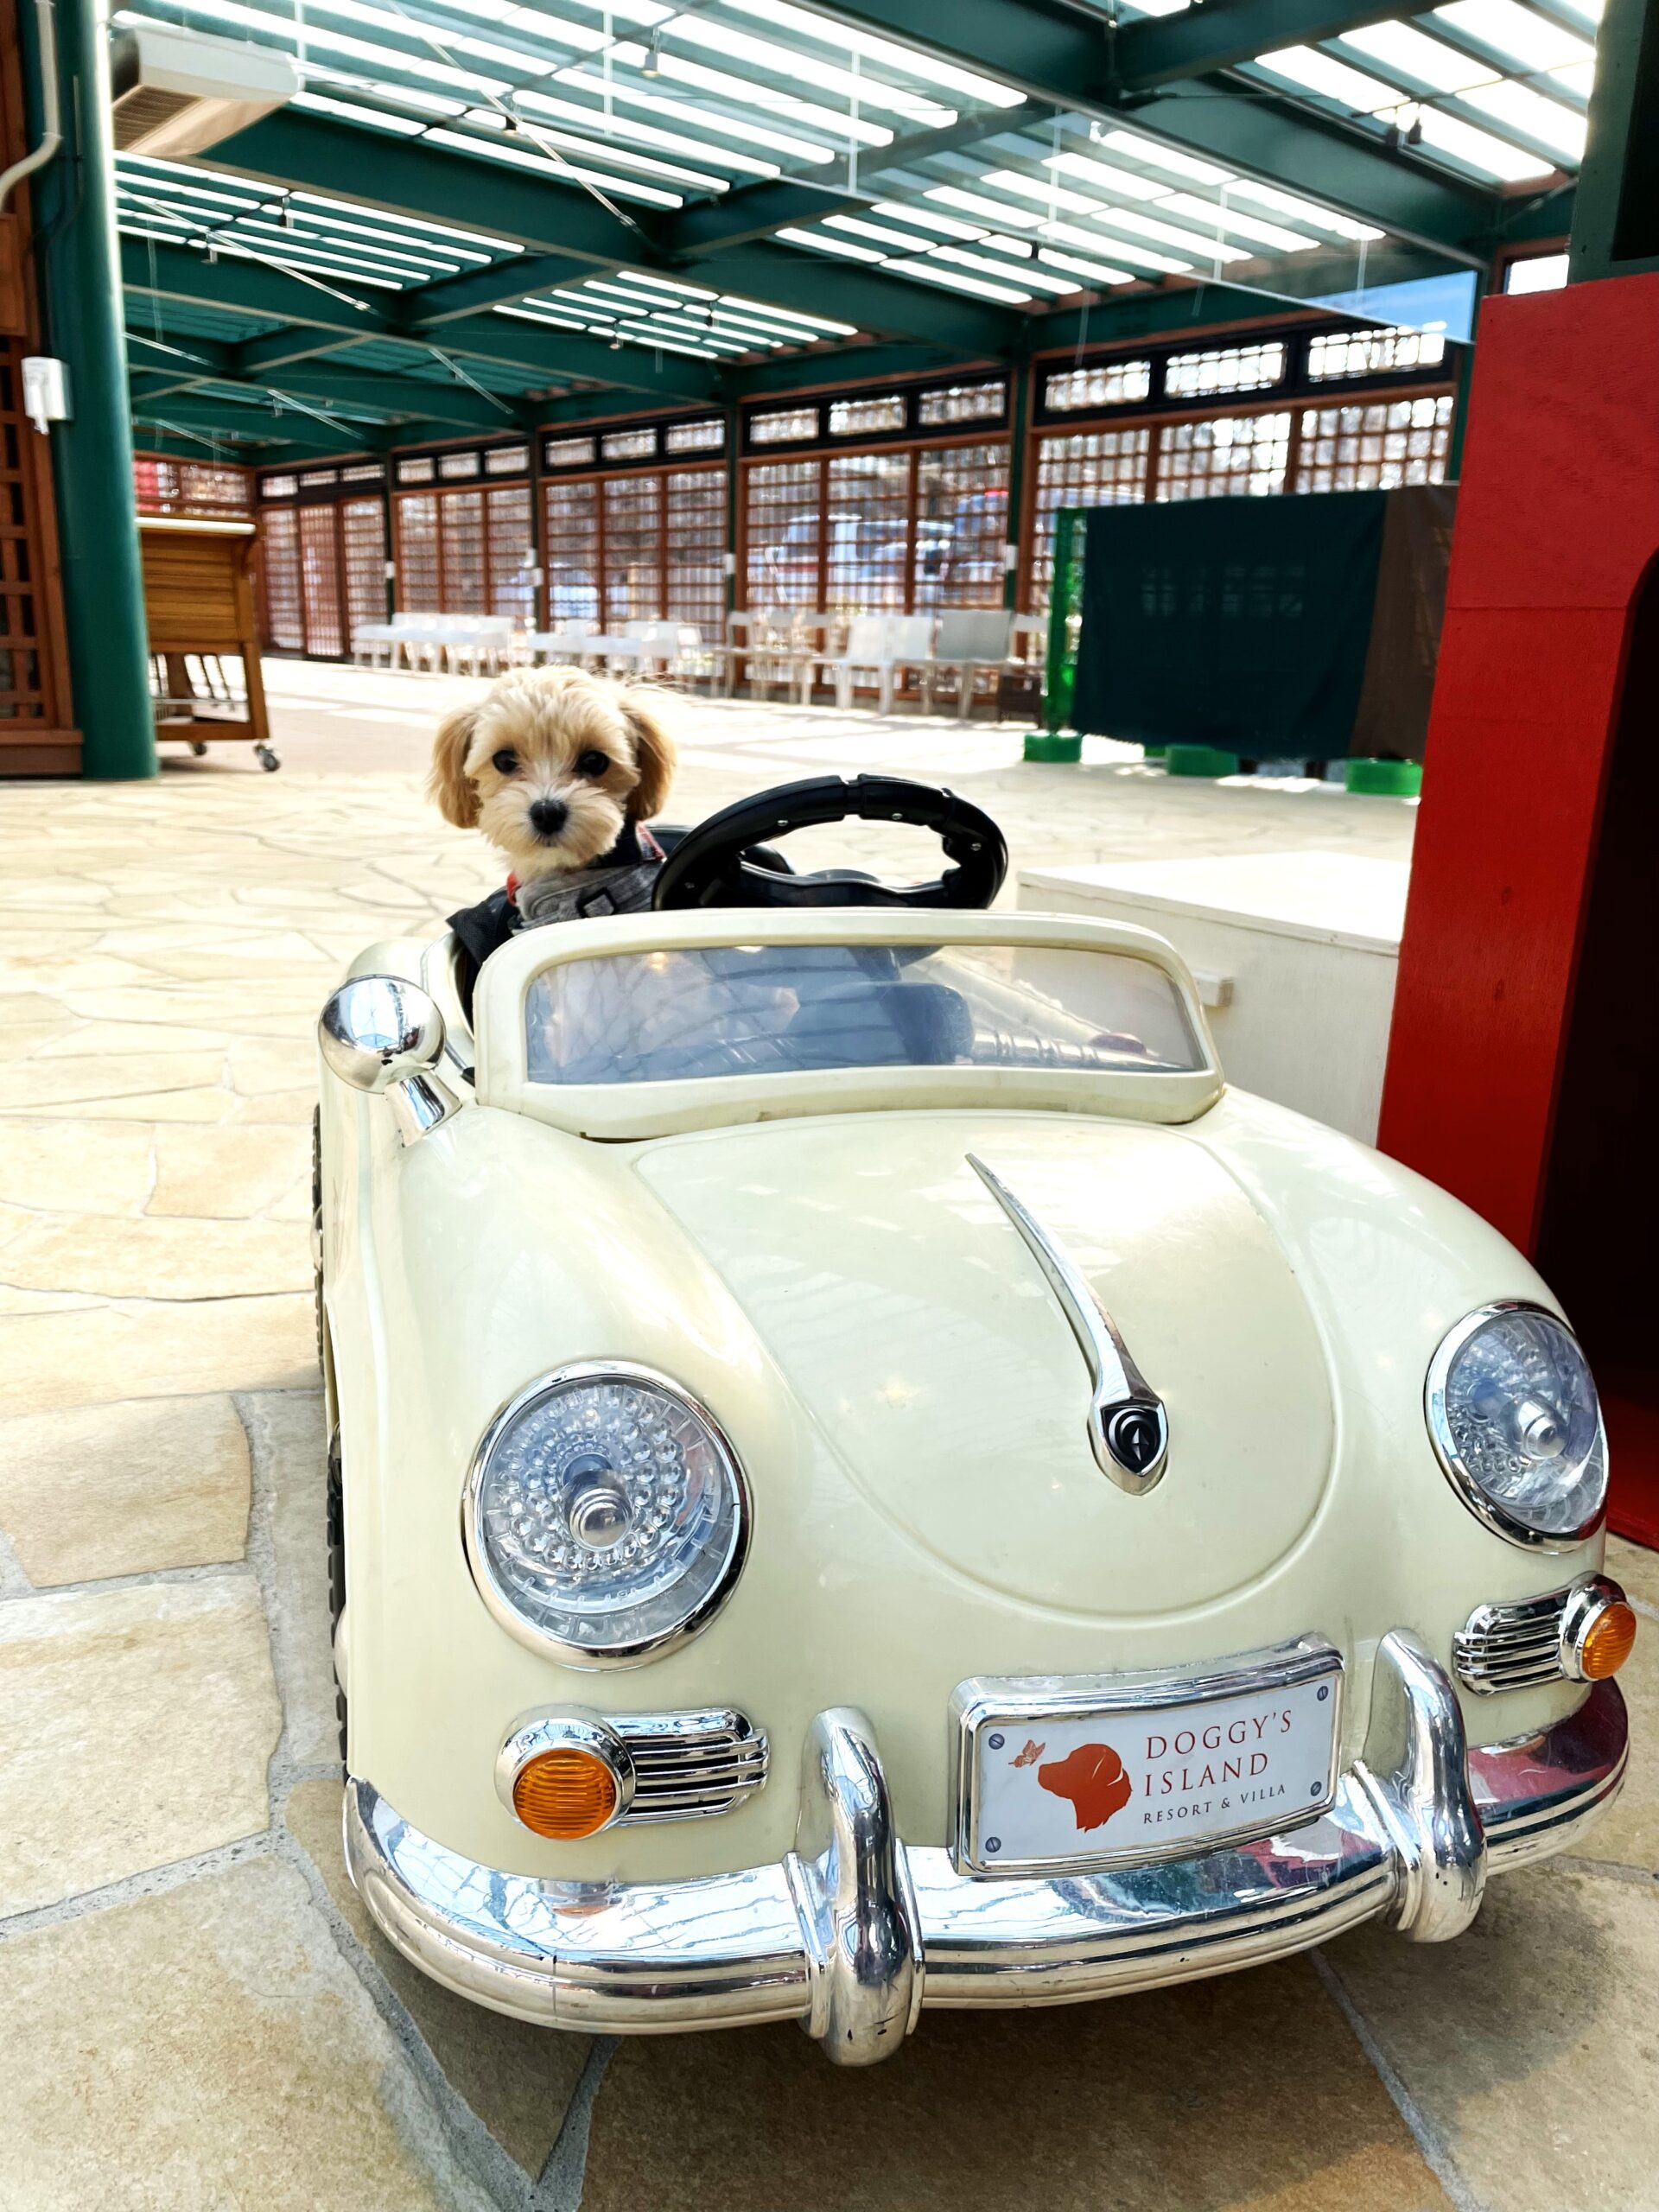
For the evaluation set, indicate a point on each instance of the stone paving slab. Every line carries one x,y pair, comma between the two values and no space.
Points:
205,2051
518,2080
134,1728
1530,2044
96,1491
1250,2091
155,1350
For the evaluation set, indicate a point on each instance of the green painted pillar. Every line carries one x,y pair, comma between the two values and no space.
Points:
92,454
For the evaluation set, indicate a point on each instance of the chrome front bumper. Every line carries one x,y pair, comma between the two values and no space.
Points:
853,1932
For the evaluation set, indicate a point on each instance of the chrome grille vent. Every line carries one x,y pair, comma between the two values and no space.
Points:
1515,1647
686,1764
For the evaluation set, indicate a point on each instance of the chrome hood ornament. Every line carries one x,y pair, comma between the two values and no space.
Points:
1129,1429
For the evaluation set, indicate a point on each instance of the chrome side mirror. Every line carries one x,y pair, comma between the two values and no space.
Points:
379,1033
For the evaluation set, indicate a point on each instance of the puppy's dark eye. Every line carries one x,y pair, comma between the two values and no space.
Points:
505,762
593,764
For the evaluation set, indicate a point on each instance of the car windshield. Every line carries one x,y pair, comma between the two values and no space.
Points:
695,1012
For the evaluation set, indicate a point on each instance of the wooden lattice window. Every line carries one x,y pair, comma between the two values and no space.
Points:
34,682
694,534
1228,454
1084,469
465,579
1375,447
782,500
632,554
961,527
571,551
319,576
363,559
867,529
510,548
279,567
420,590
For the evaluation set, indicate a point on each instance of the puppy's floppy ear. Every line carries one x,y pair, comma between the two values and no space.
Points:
654,751
447,784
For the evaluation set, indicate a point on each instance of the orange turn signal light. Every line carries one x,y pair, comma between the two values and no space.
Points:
565,1794
1606,1642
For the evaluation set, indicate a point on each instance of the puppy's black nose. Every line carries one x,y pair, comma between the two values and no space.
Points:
548,817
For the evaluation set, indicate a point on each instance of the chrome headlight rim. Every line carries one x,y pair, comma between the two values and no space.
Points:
1452,1464
625,1652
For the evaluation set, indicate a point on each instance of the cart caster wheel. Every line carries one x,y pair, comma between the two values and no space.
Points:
267,758
197,747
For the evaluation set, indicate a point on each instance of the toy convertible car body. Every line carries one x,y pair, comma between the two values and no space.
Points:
869,1478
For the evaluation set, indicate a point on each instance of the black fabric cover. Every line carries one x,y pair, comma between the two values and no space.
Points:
1391,721
1237,622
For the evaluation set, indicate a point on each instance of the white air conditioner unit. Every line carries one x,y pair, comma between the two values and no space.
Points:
175,92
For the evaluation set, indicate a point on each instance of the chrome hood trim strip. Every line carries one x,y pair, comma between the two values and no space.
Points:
1129,1429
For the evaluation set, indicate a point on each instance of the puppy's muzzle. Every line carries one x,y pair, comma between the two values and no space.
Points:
547,816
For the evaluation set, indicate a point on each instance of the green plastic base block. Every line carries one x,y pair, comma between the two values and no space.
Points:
1155,752
1053,745
1200,761
1385,779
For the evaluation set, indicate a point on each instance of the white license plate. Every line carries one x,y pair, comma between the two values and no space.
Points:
1062,1773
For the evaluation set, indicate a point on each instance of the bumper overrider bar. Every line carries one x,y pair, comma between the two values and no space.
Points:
853,1932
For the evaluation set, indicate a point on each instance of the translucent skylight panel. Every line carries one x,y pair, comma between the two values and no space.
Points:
958,280
1165,157
1578,79
1235,223
796,67
519,156
1561,129
1047,191
959,257
1140,257
607,150
1430,61
929,218
927,67
702,117
1322,73
1096,272
881,233
1140,224
1530,41
1106,177
411,223
1301,211
389,59
747,92
817,325
612,127
1479,149
402,126
830,242
994,212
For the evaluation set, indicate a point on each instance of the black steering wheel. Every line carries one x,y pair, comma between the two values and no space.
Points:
710,866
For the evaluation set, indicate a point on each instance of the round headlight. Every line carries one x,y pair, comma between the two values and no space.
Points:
1517,1425
605,1515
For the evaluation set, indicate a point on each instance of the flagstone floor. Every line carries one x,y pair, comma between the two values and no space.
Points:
194,2012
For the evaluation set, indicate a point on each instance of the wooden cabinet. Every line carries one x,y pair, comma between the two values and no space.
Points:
198,604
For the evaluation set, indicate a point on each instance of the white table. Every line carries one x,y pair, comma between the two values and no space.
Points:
1295,955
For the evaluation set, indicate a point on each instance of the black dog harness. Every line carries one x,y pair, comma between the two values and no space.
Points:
618,882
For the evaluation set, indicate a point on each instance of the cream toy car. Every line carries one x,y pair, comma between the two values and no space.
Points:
866,1477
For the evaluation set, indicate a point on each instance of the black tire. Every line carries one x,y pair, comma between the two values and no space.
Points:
316,1232
335,1521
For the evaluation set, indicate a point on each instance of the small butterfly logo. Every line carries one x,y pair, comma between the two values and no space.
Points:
1031,1753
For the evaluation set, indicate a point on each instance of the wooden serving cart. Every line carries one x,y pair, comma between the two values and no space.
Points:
199,603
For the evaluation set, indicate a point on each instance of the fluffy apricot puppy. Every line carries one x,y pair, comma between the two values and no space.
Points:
553,765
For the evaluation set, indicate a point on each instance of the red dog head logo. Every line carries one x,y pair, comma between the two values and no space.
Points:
1093,1781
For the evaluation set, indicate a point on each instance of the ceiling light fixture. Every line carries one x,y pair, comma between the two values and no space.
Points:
652,64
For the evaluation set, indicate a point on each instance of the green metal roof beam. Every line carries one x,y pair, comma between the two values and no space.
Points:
246,288
1161,49
200,410
404,176
1055,53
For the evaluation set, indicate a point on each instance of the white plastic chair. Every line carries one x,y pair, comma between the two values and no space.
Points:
969,639
881,646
